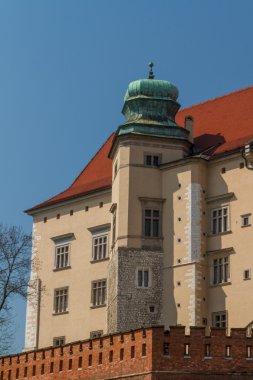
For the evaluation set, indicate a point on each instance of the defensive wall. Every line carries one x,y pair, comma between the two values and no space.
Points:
147,353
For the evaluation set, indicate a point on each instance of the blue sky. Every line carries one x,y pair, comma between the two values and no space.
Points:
64,69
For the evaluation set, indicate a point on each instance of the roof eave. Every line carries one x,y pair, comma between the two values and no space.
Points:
48,205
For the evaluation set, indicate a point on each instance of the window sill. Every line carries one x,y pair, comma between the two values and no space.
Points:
99,260
143,287
97,306
64,312
152,237
60,269
220,233
221,284
247,225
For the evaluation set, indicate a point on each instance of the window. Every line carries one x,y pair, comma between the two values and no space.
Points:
220,222
143,278
61,300
100,247
98,294
152,159
62,253
59,341
246,274
219,319
245,220
151,223
96,334
220,270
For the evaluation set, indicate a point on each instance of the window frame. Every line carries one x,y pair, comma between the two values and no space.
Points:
247,277
66,302
143,270
154,220
105,255
95,296
220,270
220,314
243,217
60,338
220,224
98,232
62,240
60,245
152,159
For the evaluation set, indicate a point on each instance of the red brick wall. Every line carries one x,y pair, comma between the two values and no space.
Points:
143,354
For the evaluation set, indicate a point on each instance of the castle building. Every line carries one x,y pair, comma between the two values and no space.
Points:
157,228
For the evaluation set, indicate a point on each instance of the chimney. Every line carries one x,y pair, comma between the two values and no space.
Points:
189,125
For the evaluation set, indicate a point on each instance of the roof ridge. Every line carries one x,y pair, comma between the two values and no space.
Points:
217,98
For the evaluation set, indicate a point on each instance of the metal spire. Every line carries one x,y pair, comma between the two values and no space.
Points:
151,73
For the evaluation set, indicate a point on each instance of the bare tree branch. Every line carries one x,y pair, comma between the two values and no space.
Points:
15,265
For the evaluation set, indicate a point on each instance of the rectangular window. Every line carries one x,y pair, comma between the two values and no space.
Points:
220,270
143,278
219,319
61,300
152,160
62,256
96,334
59,341
100,247
220,220
98,295
151,223
246,274
245,220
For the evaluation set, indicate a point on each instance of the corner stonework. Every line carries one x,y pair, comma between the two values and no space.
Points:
130,306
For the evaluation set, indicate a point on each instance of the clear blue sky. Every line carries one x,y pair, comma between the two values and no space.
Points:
64,69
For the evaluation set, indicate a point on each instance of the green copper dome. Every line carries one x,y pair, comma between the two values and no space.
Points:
157,89
150,107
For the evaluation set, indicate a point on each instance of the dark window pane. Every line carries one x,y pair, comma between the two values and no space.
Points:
149,160
155,160
155,228
139,277
146,278
147,227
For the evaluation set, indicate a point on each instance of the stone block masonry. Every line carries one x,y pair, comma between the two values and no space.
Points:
147,354
129,305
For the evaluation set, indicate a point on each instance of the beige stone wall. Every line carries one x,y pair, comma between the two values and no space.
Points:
81,318
236,296
186,190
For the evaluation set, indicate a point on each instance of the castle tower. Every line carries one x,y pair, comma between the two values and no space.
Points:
148,140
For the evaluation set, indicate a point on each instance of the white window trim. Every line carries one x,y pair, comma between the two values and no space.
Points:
96,232
212,283
149,277
217,232
96,236
58,245
54,306
242,219
93,305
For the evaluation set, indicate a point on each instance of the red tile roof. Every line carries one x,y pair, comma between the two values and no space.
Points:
224,123
222,120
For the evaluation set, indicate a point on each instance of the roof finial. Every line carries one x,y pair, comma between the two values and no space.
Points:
151,74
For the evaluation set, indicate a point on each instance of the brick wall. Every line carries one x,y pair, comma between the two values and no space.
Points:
148,354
